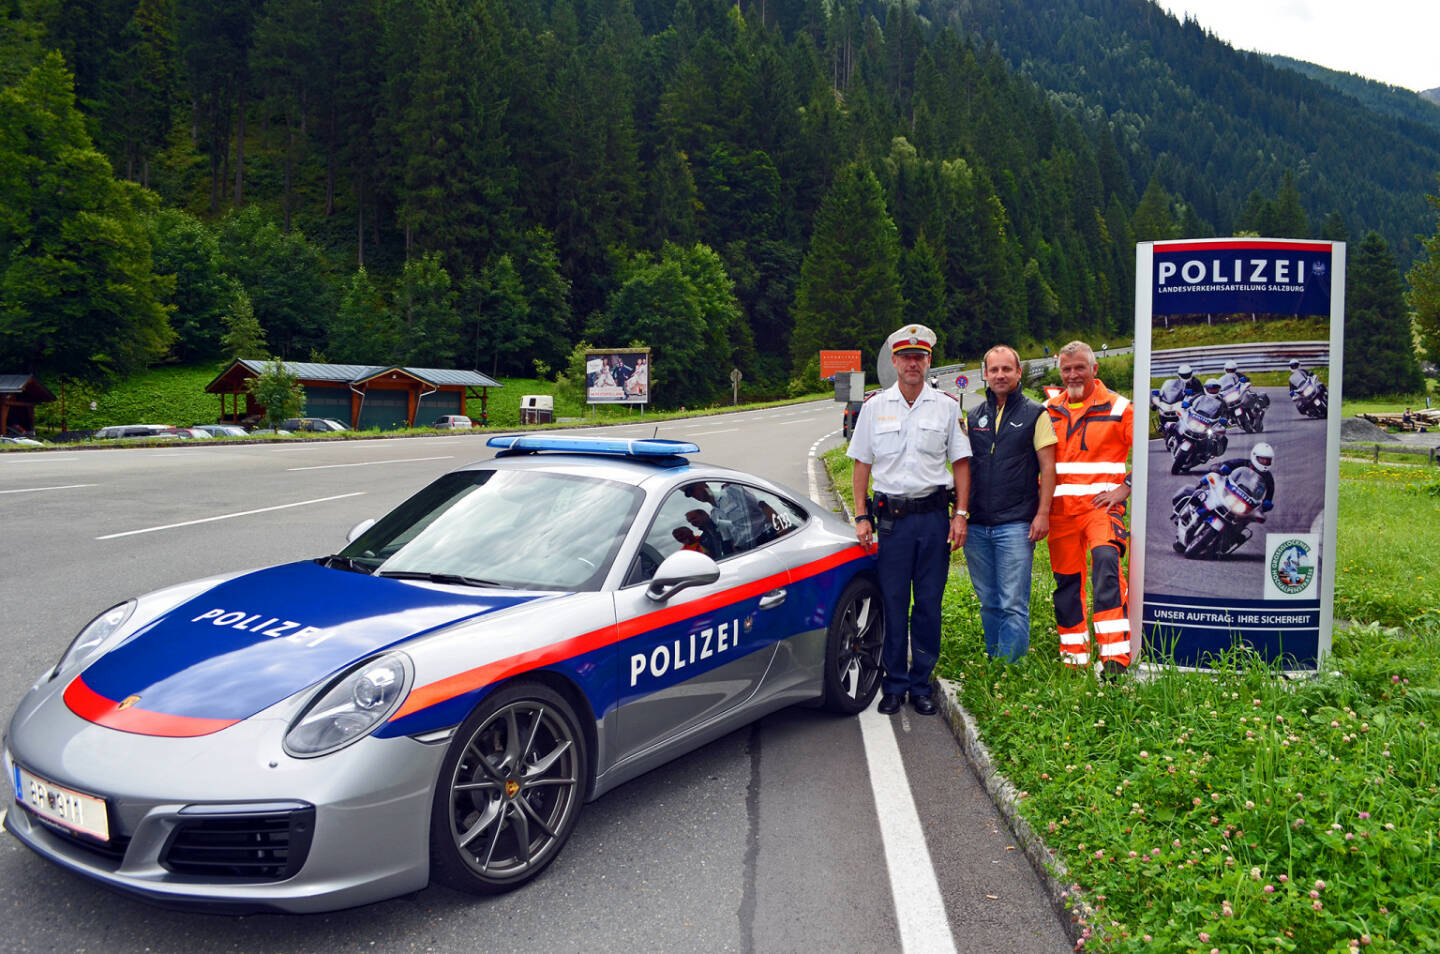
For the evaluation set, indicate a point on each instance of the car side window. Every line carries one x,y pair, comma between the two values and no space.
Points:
717,518
780,516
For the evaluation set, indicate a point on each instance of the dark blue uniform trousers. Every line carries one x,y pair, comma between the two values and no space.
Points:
913,558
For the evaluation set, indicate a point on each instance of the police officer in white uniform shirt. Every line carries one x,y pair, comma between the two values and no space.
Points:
904,437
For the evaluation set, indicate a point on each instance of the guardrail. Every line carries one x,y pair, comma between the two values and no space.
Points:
1255,356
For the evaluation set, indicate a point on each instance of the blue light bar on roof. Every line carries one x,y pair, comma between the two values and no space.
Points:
630,447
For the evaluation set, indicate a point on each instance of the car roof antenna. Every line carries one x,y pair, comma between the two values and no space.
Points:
657,432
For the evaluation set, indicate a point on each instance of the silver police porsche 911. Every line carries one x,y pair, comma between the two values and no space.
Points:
438,699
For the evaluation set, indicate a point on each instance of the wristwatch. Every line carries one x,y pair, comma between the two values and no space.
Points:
1128,478
864,516
961,513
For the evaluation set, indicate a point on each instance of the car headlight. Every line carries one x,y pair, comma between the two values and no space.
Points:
351,707
95,632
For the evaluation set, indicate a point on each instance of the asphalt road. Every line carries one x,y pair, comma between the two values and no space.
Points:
766,840
1299,444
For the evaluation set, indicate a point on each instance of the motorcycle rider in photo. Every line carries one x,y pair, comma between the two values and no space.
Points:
1261,459
1211,519
1199,434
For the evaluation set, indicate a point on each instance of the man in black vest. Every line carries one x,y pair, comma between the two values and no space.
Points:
1012,479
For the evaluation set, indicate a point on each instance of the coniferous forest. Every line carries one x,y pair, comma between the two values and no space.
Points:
490,183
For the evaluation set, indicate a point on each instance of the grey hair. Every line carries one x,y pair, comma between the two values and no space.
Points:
1079,347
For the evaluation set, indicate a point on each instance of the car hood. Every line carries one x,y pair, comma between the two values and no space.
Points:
256,639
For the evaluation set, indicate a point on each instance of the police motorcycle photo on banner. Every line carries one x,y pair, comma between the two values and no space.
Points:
617,376
1238,342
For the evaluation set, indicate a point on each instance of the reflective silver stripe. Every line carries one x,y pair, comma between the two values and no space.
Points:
1112,626
1087,467
1082,490
1115,649
1121,403
1077,659
1072,639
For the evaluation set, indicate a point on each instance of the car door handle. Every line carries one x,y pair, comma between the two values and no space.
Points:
772,599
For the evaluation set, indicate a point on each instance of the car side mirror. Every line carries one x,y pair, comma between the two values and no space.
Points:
681,569
359,528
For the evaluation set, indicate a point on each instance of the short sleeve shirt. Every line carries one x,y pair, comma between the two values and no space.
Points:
908,445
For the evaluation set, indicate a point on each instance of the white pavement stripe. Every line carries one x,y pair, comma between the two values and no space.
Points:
919,909
371,463
227,516
31,490
723,430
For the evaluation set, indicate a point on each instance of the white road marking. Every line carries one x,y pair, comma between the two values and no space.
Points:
17,458
227,516
919,908
370,463
723,430
31,490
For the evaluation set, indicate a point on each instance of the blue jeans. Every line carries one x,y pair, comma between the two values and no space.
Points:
1000,559
913,562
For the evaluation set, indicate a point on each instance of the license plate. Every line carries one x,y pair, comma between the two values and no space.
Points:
61,805
1217,523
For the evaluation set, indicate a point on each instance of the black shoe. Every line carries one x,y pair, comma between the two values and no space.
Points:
889,703
924,705
1112,671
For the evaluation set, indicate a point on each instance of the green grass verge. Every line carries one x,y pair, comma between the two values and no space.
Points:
1237,810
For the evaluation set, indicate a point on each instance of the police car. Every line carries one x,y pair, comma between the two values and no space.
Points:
437,700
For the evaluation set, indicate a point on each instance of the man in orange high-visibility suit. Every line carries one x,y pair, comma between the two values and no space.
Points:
1094,427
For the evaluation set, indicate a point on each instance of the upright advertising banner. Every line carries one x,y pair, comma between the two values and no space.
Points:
617,376
1238,345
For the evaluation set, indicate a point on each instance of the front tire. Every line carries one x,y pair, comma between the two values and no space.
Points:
509,791
852,648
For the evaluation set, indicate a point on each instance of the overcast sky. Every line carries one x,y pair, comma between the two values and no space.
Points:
1393,41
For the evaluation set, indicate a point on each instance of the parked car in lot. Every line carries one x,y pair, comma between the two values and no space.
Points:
452,422
23,441
439,699
323,425
187,433
118,431
269,432
221,430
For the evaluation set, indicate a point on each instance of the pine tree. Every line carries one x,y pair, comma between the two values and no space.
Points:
1379,349
79,297
849,294
1425,291
425,302
365,329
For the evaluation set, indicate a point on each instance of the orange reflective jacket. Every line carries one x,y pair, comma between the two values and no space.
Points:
1094,441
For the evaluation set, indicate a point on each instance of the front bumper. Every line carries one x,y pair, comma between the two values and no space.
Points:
229,821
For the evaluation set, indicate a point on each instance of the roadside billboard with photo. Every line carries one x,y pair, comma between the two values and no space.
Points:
617,376
1236,476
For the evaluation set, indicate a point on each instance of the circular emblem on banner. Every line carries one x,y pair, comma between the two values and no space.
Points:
961,381
1291,568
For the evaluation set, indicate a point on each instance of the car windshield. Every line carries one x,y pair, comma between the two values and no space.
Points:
519,529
